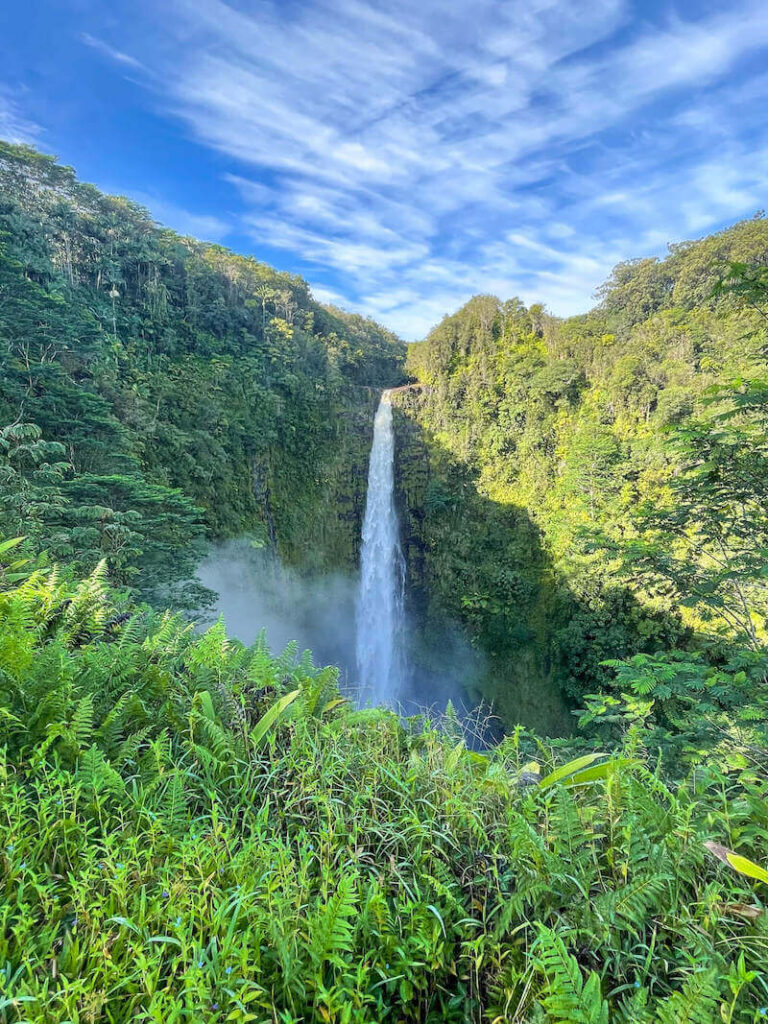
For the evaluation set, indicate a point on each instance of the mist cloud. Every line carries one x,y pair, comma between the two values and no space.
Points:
317,612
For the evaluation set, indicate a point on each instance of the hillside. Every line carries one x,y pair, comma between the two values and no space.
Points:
542,440
155,389
193,829
157,392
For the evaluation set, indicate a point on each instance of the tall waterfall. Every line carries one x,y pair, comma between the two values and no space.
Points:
380,599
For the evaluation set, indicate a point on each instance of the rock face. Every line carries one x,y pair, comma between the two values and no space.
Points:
462,553
316,524
412,475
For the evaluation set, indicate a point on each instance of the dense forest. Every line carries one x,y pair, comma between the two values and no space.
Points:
156,389
196,830
596,486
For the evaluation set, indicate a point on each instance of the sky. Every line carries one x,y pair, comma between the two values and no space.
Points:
405,155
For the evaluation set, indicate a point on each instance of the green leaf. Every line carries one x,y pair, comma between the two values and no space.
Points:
205,704
596,772
270,717
167,940
437,914
743,865
6,545
125,922
569,769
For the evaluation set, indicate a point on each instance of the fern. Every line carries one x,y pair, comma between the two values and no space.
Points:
695,1004
211,650
569,998
634,902
132,632
82,721
128,751
330,931
97,776
171,806
204,726
111,732
88,609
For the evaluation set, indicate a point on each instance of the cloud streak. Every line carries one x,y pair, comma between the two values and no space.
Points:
111,52
406,156
13,126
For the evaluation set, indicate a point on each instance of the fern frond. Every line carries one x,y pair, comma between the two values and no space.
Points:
696,1003
569,998
634,902
330,930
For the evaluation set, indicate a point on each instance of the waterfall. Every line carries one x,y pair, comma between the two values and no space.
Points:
379,646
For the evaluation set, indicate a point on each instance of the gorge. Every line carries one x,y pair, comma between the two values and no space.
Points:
211,400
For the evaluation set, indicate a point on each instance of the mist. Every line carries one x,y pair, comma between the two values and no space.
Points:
257,593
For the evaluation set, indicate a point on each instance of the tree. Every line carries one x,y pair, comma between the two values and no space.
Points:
265,294
705,542
589,465
32,474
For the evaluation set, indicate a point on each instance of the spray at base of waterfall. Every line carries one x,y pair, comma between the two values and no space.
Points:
317,612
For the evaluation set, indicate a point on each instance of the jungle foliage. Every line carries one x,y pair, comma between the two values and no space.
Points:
155,388
193,830
626,450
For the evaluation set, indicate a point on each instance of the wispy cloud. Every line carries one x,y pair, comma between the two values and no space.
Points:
13,126
111,52
416,153
206,227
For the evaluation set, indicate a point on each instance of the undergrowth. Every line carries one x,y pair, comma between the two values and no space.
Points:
195,831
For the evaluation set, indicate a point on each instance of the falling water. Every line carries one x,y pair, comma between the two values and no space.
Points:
380,599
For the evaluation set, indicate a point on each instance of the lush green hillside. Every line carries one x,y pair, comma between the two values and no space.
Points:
549,444
156,390
153,386
194,831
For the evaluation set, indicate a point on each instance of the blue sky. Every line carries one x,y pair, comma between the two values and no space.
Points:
404,155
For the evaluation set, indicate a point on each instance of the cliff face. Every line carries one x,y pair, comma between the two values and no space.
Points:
474,570
412,477
319,524
477,622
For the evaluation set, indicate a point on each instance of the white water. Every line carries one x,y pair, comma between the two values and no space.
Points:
379,644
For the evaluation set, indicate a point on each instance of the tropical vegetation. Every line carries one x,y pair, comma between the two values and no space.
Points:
196,830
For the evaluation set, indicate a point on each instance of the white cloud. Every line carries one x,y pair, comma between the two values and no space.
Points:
327,295
13,126
420,152
111,52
